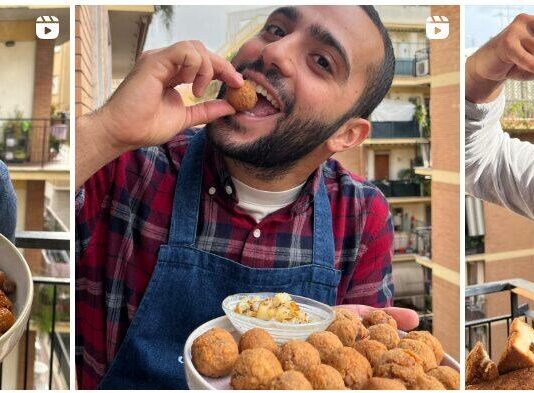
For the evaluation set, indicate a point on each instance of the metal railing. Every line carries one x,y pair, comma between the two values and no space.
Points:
476,315
395,129
30,141
407,66
398,188
59,349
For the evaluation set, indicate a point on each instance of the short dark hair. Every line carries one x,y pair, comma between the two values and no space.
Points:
380,76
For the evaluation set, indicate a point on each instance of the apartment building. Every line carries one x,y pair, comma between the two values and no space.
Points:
34,138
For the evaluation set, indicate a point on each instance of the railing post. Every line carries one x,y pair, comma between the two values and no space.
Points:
52,336
513,305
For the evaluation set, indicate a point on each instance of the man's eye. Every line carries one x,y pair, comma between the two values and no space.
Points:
322,62
275,30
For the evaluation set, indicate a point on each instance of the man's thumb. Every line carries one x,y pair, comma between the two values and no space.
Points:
206,112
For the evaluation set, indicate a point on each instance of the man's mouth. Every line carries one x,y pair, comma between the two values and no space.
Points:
266,105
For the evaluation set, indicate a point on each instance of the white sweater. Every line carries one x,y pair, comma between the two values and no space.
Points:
498,169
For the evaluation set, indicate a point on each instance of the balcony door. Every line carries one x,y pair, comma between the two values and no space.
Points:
382,166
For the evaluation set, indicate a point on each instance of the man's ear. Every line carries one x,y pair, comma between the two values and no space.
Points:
351,134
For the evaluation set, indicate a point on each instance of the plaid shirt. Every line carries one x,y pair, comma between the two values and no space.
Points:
123,214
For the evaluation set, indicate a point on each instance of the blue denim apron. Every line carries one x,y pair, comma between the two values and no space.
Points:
188,286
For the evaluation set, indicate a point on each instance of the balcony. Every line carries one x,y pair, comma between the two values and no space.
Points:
399,188
395,129
489,329
29,145
44,349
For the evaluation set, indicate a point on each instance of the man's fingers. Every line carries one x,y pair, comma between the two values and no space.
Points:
406,319
207,112
225,71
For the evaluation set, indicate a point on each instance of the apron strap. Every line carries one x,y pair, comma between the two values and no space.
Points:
187,193
323,235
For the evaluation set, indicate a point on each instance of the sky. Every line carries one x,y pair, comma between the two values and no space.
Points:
484,22
207,24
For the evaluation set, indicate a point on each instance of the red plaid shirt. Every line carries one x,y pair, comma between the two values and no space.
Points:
123,214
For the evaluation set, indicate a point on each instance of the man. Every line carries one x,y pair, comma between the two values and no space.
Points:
246,205
8,204
499,169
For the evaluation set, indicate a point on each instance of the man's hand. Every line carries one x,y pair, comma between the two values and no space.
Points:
146,110
406,319
509,55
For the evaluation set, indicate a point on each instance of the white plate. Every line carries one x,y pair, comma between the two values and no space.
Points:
13,264
196,381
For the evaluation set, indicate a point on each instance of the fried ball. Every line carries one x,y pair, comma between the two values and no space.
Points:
430,340
384,333
379,383
9,286
376,317
325,377
353,367
244,98
478,366
214,353
348,331
257,338
345,313
422,350
5,302
291,380
255,369
400,364
426,382
325,342
449,377
7,319
371,349
298,355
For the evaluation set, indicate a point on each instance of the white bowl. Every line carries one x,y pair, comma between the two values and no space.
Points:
320,314
14,265
196,381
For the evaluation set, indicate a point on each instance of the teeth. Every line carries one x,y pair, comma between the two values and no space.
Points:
261,90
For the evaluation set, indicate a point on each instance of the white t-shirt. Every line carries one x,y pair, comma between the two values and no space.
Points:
498,168
259,203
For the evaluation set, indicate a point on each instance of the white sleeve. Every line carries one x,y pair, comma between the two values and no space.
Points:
498,169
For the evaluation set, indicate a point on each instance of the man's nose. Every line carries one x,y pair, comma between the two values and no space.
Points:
280,54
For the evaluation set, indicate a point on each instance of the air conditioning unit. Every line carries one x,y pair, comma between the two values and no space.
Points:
422,67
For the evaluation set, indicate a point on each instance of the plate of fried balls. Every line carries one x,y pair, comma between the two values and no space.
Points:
354,353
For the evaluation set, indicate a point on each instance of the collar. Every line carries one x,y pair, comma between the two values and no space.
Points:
216,175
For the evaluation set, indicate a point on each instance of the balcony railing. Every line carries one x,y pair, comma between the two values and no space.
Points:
45,343
395,129
34,142
475,313
408,66
398,188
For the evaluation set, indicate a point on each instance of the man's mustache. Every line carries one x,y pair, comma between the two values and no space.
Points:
272,75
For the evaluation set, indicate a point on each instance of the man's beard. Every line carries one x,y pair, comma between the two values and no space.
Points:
292,138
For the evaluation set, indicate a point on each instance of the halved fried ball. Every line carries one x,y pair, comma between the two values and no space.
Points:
214,353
